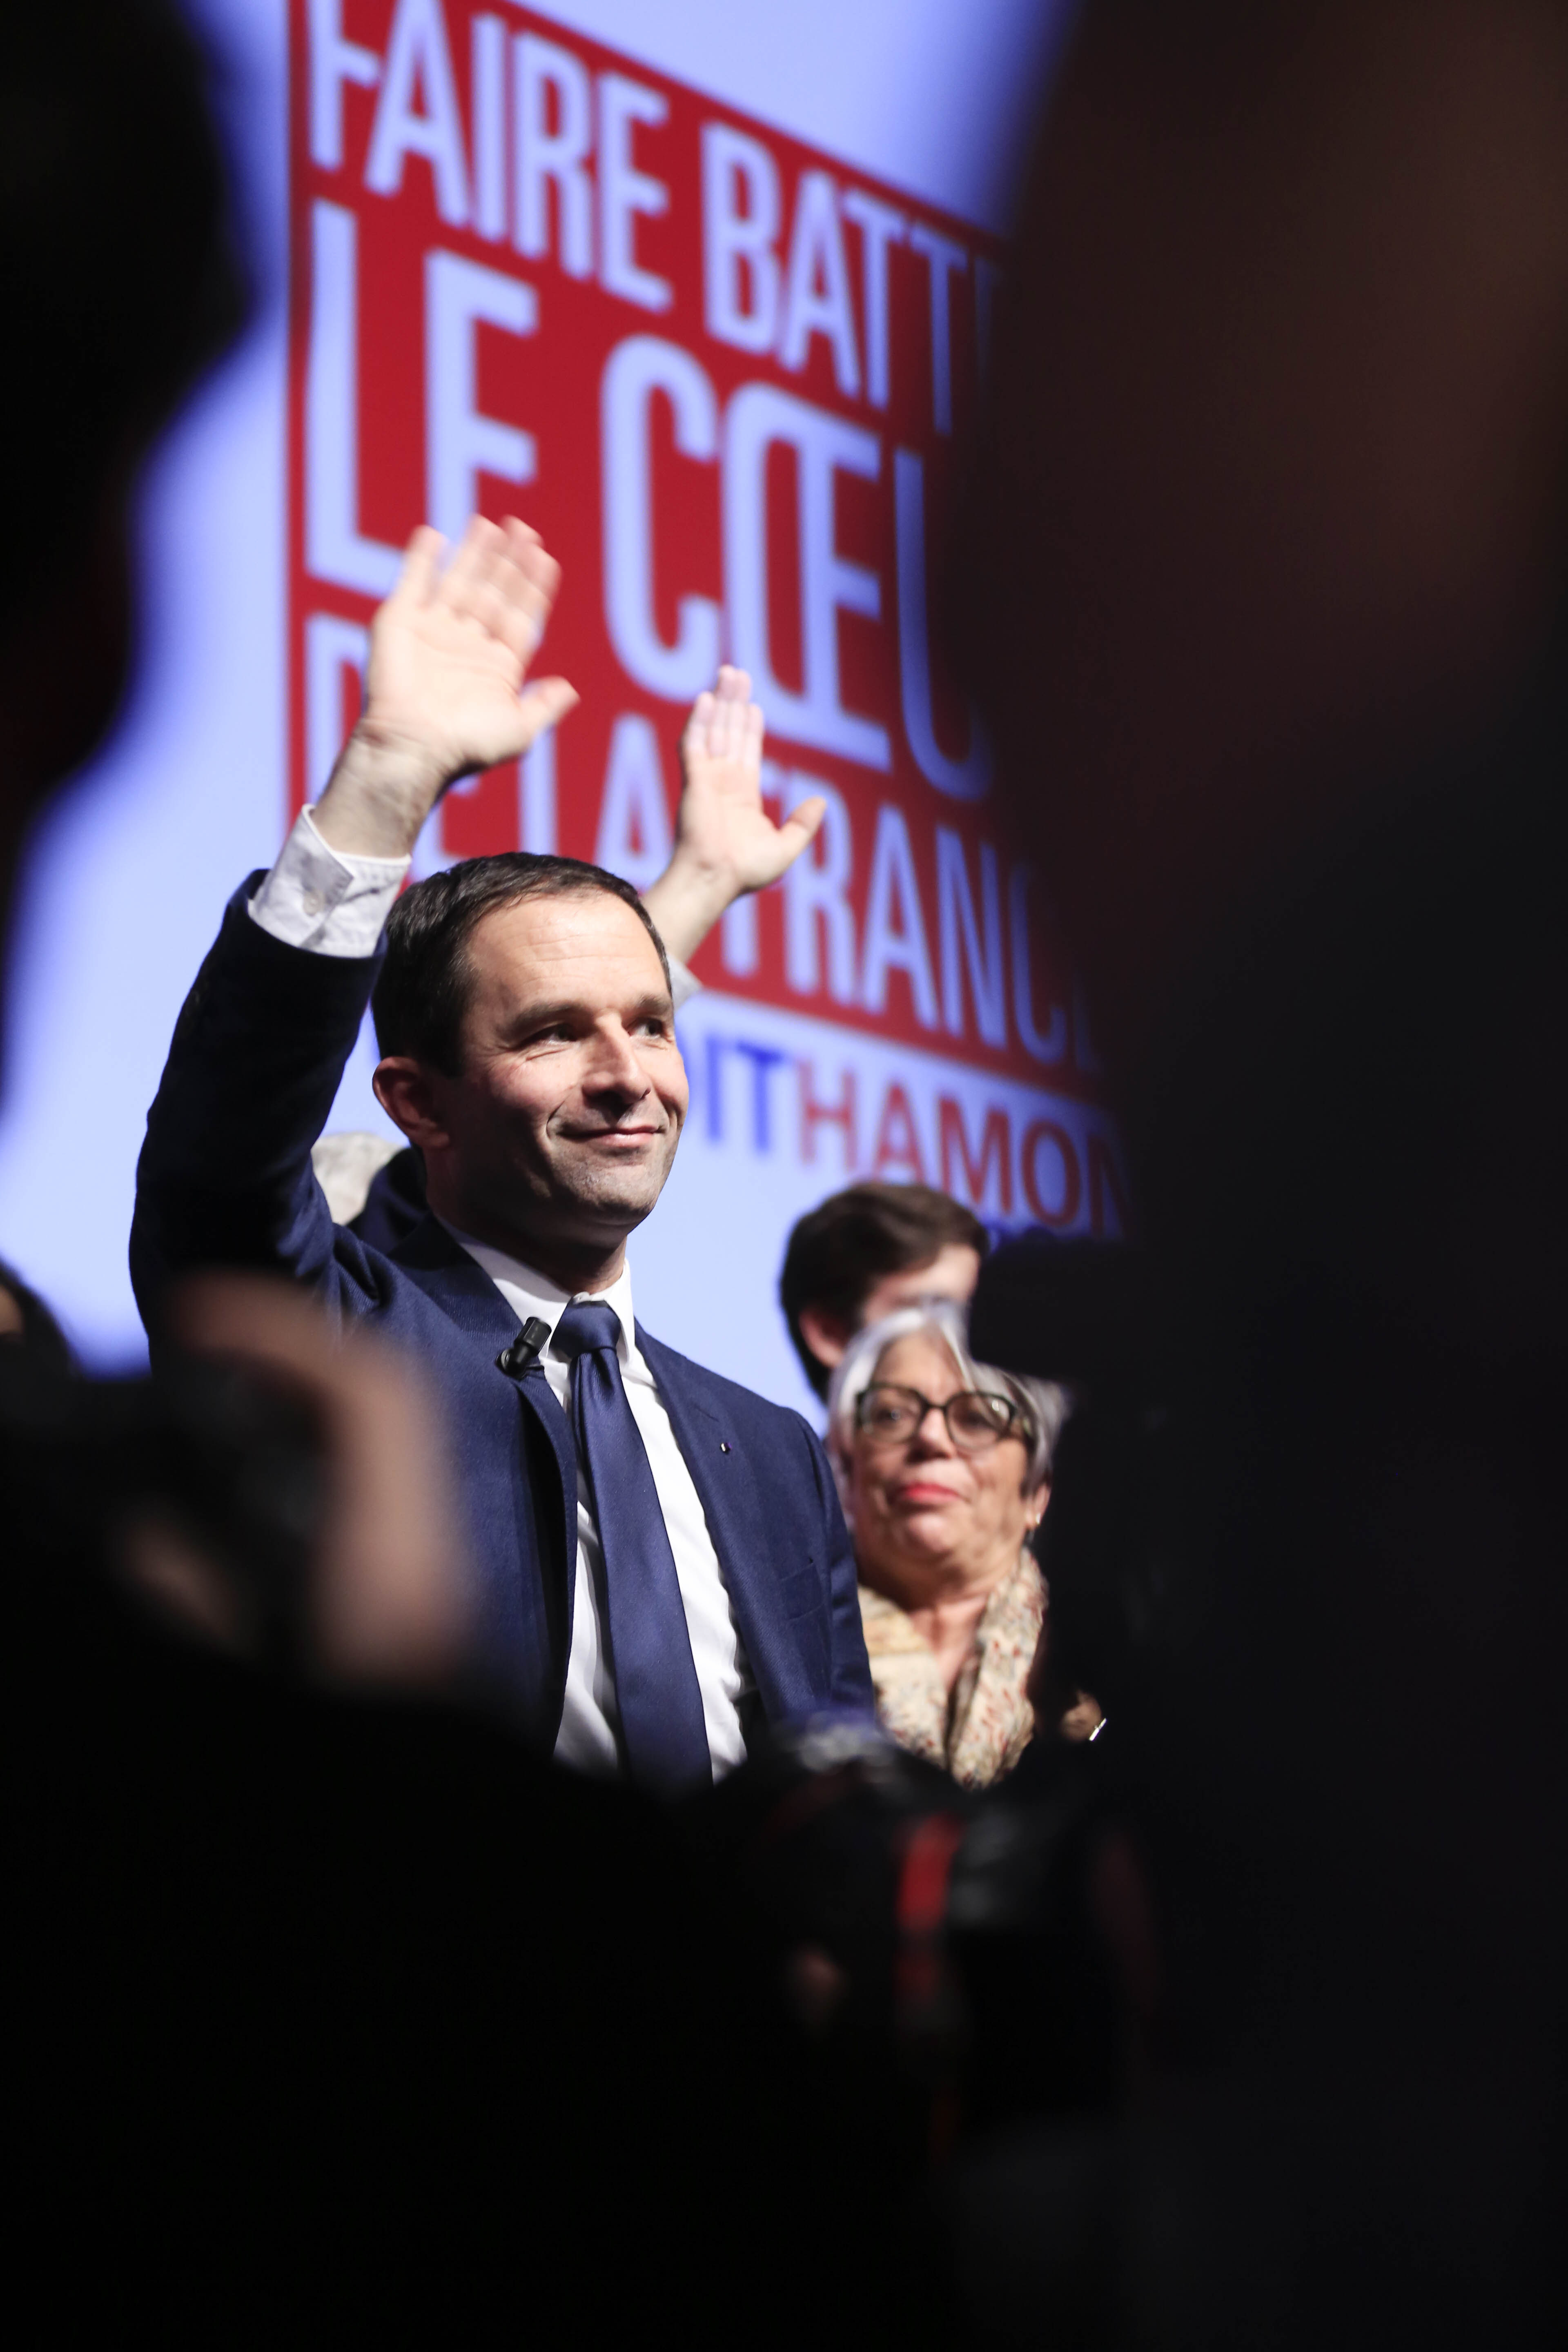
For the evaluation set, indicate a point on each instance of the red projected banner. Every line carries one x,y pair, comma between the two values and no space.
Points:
725,377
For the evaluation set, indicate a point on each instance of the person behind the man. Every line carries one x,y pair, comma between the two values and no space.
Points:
663,1556
944,1466
866,1251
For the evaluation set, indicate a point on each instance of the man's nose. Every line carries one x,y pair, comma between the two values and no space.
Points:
614,1067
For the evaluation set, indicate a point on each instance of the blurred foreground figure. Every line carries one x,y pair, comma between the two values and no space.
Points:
330,2016
1265,584
121,284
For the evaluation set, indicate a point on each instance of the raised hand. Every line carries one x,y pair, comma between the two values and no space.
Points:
445,696
726,843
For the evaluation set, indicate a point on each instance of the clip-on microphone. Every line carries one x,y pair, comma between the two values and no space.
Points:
525,1350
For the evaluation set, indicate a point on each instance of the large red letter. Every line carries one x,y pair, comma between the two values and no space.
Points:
814,1114
898,1140
995,1144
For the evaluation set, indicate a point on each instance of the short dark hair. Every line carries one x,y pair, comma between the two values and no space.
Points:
841,1250
426,979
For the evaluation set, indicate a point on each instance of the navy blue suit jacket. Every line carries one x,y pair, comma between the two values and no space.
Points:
225,1179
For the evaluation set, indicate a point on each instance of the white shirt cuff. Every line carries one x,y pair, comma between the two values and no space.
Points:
684,985
333,904
319,899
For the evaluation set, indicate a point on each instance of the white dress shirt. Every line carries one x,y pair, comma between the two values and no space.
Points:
588,1737
319,898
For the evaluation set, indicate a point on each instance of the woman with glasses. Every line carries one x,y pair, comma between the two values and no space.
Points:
944,1466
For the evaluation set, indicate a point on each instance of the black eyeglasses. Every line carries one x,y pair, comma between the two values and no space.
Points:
975,1421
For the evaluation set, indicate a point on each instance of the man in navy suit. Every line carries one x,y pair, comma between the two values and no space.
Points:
662,1558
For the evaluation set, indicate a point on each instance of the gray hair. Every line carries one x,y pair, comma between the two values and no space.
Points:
1044,1406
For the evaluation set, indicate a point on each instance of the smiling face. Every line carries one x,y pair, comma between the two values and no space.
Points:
555,1138
929,1521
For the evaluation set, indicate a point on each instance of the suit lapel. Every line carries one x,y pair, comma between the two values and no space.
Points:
457,1284
460,1287
539,1399
731,1503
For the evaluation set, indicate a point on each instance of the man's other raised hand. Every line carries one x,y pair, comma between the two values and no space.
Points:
726,844
445,695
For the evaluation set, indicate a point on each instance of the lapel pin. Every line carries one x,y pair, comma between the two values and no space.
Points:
723,1445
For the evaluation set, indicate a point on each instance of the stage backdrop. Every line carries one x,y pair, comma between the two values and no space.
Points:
705,299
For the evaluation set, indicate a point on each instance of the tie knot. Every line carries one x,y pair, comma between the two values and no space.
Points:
584,1329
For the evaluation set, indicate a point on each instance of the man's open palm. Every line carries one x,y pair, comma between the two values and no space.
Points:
722,822
449,650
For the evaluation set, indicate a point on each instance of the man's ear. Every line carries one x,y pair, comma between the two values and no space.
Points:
826,1336
406,1092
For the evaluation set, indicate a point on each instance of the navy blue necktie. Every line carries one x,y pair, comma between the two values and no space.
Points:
650,1651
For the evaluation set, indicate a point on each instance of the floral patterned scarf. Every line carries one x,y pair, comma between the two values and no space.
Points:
980,1733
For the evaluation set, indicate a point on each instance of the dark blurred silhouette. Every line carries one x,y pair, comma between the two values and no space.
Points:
1264,586
122,280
